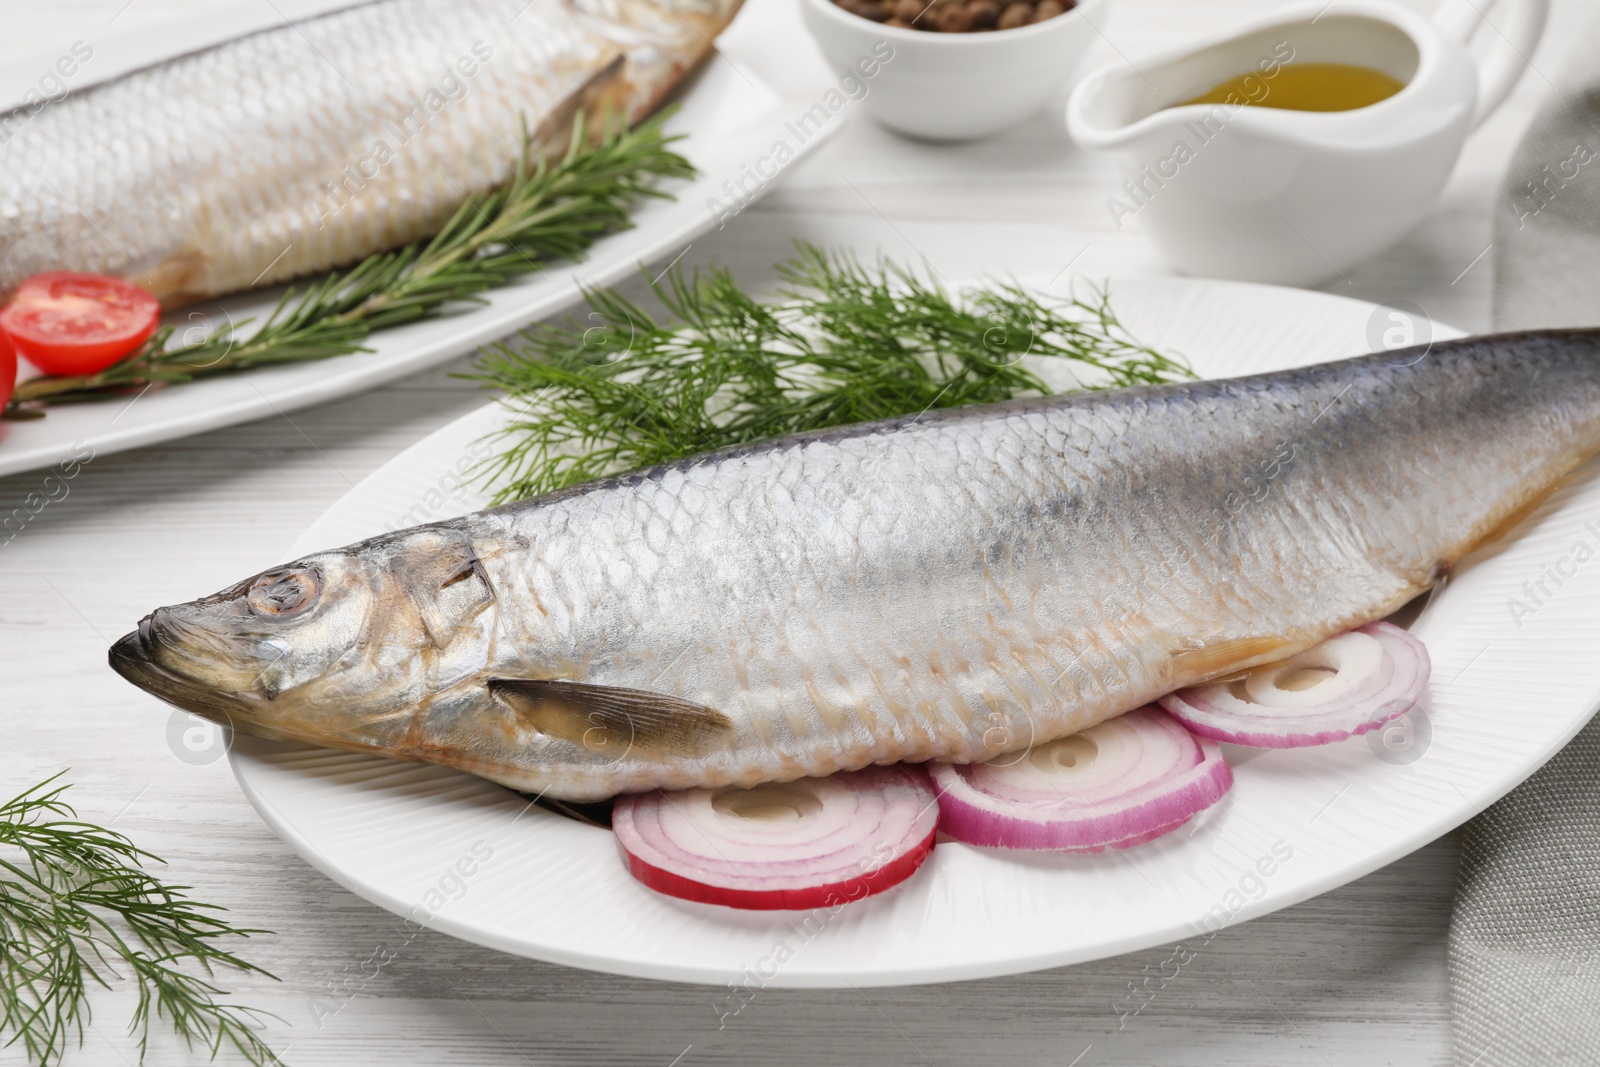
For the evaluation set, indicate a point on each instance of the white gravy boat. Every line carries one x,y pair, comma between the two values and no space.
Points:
1297,197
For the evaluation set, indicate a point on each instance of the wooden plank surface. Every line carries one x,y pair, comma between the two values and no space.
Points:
1353,977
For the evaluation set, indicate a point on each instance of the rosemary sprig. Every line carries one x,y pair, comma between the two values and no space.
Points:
547,211
74,907
843,343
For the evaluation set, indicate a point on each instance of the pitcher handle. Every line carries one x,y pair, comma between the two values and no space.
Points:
1499,70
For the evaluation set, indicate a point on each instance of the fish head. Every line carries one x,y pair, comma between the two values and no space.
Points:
337,648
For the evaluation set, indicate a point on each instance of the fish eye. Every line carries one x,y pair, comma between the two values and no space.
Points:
281,593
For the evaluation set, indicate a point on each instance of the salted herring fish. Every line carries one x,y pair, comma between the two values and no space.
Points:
311,145
945,587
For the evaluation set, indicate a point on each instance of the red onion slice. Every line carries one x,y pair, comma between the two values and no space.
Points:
813,842
1347,685
1117,784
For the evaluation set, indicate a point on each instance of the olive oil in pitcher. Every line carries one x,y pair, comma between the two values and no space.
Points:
1304,87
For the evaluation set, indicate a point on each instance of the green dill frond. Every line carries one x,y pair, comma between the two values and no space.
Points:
843,343
77,910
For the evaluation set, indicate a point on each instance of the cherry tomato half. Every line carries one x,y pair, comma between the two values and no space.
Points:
8,369
66,323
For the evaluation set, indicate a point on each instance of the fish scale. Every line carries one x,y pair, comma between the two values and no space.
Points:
232,167
950,586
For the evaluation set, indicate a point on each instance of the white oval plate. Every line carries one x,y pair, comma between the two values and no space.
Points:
731,122
470,858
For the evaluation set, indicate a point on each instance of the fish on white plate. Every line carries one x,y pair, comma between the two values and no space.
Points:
945,587
314,144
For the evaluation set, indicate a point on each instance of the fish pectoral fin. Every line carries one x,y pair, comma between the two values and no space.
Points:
1207,660
612,720
599,96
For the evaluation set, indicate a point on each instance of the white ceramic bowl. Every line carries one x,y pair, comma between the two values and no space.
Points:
952,86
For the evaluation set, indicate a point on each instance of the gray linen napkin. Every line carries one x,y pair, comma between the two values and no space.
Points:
1525,932
1547,220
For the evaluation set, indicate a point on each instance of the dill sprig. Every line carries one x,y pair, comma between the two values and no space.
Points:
547,211
76,910
842,343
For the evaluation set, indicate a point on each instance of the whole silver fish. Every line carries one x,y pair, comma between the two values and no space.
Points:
312,145
950,586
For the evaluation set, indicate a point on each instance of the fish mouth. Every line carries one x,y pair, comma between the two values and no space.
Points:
132,658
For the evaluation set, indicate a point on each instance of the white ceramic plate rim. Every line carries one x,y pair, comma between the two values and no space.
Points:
1479,759
731,119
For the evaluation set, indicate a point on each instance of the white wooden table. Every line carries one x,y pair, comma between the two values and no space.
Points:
1354,977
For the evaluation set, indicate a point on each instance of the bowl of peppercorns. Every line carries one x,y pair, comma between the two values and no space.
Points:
951,70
